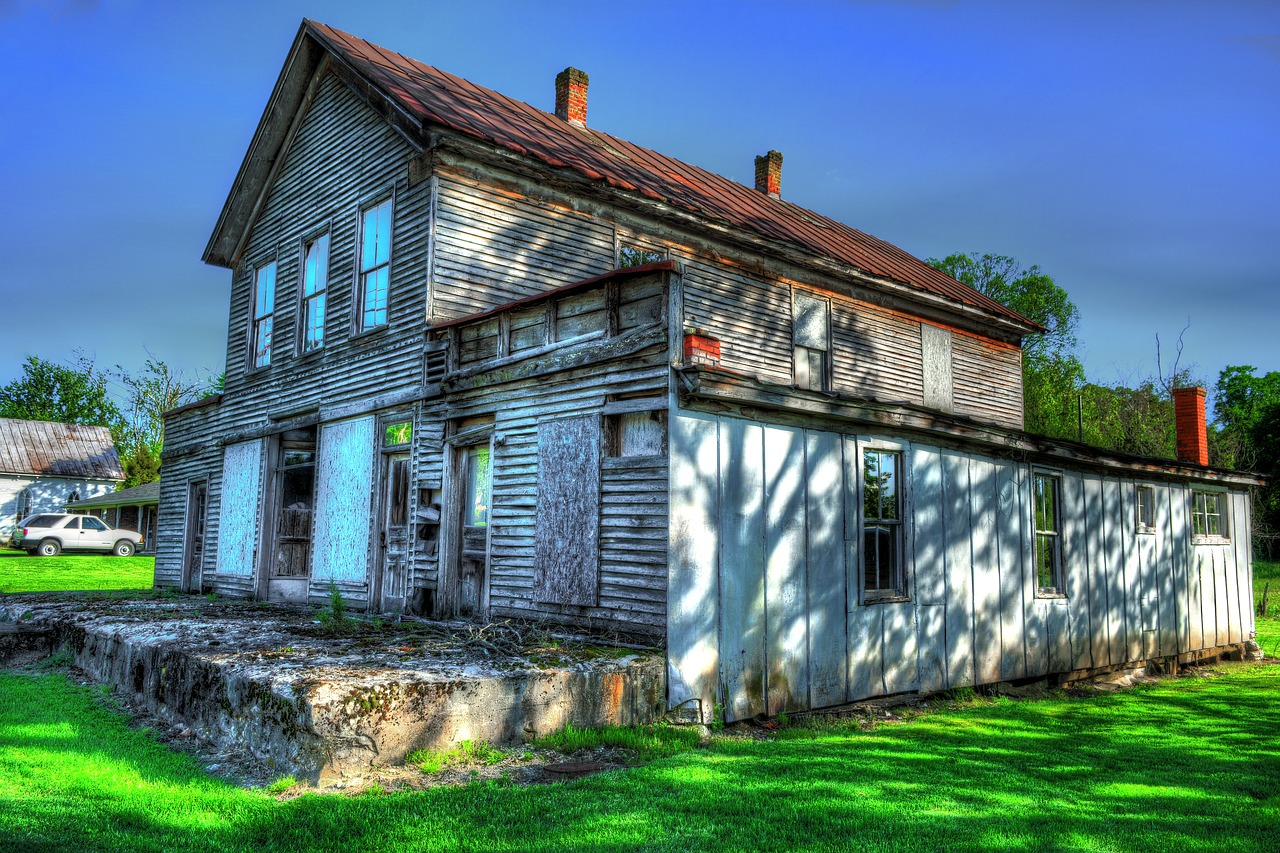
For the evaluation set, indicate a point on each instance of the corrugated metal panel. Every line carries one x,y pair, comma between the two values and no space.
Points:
54,449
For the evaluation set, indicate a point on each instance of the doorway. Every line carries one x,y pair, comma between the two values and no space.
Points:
290,568
475,468
390,583
197,505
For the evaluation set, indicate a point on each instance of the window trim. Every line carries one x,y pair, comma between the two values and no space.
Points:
903,591
1223,537
1059,569
1140,524
255,319
304,300
358,301
824,380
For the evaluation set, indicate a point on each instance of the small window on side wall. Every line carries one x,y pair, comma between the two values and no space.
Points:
264,306
883,575
811,334
1209,515
636,256
375,266
1047,496
1146,509
315,281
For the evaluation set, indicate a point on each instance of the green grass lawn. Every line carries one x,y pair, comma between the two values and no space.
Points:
1189,764
21,573
1269,625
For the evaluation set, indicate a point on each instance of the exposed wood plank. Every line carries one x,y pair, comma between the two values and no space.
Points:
828,579
786,593
959,568
566,548
742,564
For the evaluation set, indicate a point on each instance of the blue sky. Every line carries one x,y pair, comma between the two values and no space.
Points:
1129,149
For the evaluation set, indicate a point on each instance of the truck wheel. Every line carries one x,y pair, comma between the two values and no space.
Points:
124,548
49,548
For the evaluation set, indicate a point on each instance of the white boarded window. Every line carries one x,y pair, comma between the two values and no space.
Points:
811,335
238,510
344,490
935,358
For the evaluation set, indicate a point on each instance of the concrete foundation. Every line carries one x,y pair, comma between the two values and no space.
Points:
263,678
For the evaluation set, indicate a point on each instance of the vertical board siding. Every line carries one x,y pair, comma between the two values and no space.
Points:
1013,656
742,565
928,543
957,527
344,495
1164,571
786,593
238,508
1075,555
1113,565
827,608
986,572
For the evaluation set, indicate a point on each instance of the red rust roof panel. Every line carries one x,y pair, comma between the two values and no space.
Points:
441,98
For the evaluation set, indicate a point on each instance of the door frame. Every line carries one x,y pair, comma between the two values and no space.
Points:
193,576
449,584
386,453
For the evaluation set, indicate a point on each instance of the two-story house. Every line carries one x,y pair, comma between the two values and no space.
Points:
485,360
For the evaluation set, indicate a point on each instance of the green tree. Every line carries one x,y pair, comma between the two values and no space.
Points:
1247,410
150,393
1052,374
52,392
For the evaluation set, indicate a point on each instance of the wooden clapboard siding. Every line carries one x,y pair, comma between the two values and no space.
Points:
876,353
749,315
988,380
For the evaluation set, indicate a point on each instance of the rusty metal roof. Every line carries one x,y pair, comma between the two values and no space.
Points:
437,97
59,450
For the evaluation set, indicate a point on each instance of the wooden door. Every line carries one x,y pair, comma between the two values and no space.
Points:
393,536
196,514
289,572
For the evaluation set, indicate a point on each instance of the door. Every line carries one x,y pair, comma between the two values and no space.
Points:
289,572
194,561
393,535
94,535
473,538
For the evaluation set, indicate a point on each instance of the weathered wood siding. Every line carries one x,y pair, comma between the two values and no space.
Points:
765,614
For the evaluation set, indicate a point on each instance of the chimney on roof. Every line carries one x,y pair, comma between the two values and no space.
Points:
769,174
1188,415
571,96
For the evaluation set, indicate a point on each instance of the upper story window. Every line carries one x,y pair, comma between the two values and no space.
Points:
264,306
635,256
375,265
1146,509
1209,514
883,576
811,334
315,281
1047,495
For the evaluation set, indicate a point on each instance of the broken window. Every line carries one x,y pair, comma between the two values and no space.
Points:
475,509
375,265
811,334
315,280
1146,509
882,564
1209,514
635,256
397,434
1046,493
636,434
264,305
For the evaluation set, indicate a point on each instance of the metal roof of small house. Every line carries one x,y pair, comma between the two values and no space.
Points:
59,450
147,493
430,96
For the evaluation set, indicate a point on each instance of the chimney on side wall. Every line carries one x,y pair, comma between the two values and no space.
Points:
1193,435
571,96
769,174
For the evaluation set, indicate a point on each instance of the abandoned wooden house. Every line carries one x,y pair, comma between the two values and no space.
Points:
485,360
44,464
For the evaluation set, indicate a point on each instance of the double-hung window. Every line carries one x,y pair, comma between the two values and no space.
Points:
1208,514
811,335
264,306
1047,496
375,265
315,281
882,559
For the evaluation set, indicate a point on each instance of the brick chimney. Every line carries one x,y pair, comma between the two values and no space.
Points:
571,96
1193,436
769,174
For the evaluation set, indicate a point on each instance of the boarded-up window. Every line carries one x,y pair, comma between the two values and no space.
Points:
637,434
811,324
935,358
239,513
344,489
567,539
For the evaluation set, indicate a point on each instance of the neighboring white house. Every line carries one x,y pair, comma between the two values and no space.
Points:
43,465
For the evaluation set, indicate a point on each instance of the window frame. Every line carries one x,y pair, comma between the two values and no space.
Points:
639,248
1144,511
258,316
900,588
805,351
320,295
1222,513
1058,570
362,272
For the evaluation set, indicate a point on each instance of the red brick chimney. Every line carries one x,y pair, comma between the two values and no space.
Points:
1193,435
769,174
571,96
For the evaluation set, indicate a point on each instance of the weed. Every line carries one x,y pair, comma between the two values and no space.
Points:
334,620
647,742
464,753
375,790
282,784
212,597
784,719
61,659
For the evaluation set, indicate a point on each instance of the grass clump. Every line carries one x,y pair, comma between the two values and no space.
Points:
282,784
465,753
647,742
334,621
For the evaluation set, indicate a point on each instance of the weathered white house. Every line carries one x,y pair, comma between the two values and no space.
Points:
44,464
486,360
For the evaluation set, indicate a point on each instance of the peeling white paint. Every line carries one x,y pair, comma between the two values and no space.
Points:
239,512
344,485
